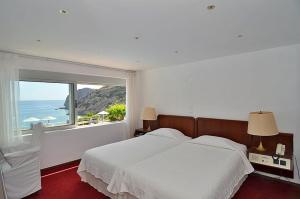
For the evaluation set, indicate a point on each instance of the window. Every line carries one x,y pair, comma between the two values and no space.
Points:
100,103
45,102
68,104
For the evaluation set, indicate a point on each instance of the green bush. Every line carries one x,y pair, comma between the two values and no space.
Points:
89,114
116,112
83,118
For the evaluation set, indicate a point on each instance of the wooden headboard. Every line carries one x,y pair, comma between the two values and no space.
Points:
236,130
185,124
232,129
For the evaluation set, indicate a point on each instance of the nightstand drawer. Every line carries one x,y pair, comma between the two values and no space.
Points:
268,160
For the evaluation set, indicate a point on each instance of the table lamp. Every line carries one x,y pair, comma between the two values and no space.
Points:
148,114
262,124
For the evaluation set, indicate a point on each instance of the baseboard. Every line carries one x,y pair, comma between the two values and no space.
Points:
59,167
290,180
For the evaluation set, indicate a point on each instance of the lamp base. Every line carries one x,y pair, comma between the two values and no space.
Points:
149,126
260,147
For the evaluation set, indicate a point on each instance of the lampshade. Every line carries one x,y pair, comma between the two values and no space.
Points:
262,124
148,114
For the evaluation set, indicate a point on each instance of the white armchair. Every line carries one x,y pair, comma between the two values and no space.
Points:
22,177
3,165
21,172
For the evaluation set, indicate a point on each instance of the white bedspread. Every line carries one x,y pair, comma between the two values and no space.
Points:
103,161
188,171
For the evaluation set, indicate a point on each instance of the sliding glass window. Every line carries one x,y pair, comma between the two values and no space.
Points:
61,100
100,103
58,104
46,102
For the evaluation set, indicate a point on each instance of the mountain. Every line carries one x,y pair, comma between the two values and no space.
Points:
81,93
97,100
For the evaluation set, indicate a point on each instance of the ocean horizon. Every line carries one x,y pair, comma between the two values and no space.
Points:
41,110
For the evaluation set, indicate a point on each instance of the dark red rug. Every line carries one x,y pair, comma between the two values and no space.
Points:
262,187
66,184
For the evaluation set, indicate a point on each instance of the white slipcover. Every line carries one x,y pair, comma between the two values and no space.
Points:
20,167
23,177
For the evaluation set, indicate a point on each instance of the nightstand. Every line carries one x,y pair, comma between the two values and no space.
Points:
265,162
139,132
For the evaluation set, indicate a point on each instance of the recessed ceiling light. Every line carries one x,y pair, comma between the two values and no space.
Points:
211,7
63,12
240,35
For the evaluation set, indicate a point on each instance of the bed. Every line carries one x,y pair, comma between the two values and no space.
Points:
136,180
207,167
187,171
98,165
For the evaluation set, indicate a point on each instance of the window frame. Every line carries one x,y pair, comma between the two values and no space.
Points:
73,112
73,102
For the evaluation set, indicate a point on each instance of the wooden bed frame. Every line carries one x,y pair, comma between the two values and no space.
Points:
232,129
235,130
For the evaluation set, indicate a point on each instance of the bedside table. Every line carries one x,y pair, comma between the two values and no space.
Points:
264,161
139,132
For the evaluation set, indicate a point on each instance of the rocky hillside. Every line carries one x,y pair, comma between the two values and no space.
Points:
96,100
81,94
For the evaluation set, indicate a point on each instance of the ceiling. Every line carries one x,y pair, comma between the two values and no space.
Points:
140,34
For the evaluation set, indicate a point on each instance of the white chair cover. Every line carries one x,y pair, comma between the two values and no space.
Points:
22,177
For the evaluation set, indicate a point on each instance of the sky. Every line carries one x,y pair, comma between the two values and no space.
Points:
43,91
48,91
80,86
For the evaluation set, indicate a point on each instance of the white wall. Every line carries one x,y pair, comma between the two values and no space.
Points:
61,146
67,145
43,64
230,87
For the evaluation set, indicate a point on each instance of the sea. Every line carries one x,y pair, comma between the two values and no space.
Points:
43,109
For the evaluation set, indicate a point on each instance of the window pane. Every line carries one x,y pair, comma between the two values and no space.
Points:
45,102
100,103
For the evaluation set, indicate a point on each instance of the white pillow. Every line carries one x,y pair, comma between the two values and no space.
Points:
170,133
219,142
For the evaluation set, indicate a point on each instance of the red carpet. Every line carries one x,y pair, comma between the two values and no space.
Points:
66,184
261,187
